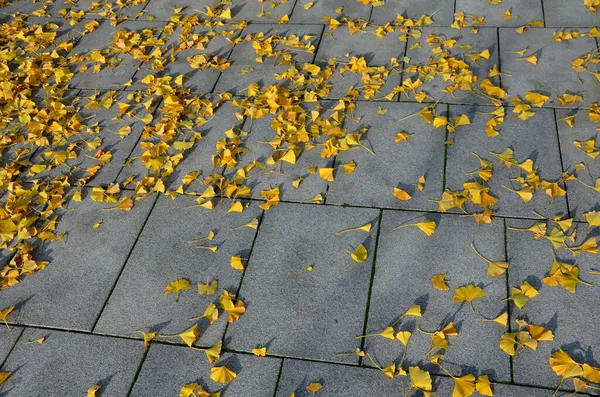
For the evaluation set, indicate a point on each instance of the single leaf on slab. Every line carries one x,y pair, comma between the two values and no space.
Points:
92,391
208,289
222,374
484,386
4,314
126,204
507,342
38,341
363,228
326,174
420,379
189,336
592,218
314,387
4,376
236,262
253,224
259,351
427,227
439,282
388,333
591,373
213,353
177,286
464,386
401,194
495,268
403,337
194,390
468,293
501,319
563,365
148,336
360,254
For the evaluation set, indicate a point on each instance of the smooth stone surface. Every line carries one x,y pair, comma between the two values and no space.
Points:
109,77
443,9
485,39
582,199
249,10
375,50
198,158
558,14
244,56
571,317
321,8
256,376
199,81
281,174
553,72
312,314
71,291
162,10
138,301
56,7
534,139
8,339
394,164
406,261
522,11
68,364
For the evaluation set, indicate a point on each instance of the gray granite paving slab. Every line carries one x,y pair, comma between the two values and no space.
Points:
553,72
71,291
280,174
571,317
533,139
346,381
321,8
120,148
375,50
441,10
406,261
394,164
64,32
198,81
256,376
582,199
312,314
111,77
68,364
486,38
244,56
198,158
8,338
138,301
162,10
248,10
558,14
522,11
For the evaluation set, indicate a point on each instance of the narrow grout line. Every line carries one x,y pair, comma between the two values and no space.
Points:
562,165
543,13
125,263
278,377
445,153
371,14
139,370
499,57
368,306
248,263
293,10
318,46
506,278
13,347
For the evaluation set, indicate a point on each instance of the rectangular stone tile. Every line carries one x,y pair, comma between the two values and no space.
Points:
393,164
113,76
281,173
91,9
570,316
426,66
71,291
347,381
533,139
8,338
582,199
553,72
198,158
68,364
559,14
162,10
406,262
311,314
321,8
199,81
165,253
377,53
261,12
441,10
64,32
92,119
256,376
522,11
244,56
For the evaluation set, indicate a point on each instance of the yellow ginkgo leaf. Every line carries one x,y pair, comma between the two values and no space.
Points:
177,286
507,343
327,174
236,262
427,227
363,228
563,365
208,289
148,336
464,386
236,206
92,391
439,282
468,293
260,351
403,337
314,387
420,379
189,336
484,386
222,374
401,194
387,333
213,353
4,314
501,319
495,268
360,254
